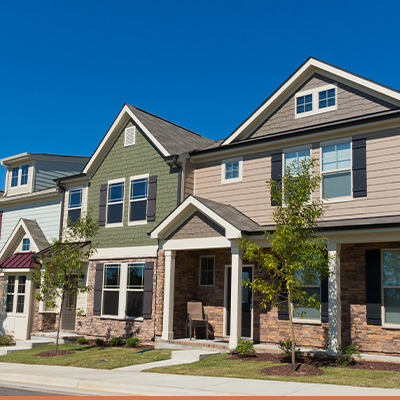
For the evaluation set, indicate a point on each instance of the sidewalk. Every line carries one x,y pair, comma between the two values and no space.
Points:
128,382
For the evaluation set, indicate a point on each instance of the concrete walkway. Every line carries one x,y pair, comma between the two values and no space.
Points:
128,382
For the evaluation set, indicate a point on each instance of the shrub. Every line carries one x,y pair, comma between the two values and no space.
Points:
116,341
286,347
6,340
99,342
132,342
245,348
346,355
82,340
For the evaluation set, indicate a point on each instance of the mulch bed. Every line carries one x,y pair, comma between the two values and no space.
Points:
309,365
52,353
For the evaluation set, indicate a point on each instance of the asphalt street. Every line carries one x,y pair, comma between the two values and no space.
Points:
14,391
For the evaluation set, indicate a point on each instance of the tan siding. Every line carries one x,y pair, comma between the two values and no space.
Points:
252,196
189,179
350,103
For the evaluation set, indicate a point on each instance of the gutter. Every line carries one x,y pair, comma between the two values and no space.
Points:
62,209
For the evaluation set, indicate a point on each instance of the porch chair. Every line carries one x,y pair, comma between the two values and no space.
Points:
196,317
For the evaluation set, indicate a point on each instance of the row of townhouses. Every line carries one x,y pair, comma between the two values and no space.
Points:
172,206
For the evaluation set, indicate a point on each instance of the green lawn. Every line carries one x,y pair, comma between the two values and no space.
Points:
88,357
218,365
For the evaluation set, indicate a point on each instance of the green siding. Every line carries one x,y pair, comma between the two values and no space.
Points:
120,162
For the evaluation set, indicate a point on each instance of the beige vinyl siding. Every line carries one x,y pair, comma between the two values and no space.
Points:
189,179
252,197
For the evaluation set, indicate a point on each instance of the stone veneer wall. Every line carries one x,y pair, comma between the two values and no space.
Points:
369,338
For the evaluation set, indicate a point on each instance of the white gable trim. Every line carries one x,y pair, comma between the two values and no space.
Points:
115,129
20,231
304,72
184,211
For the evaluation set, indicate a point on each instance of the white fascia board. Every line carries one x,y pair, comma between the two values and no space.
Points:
198,243
303,73
29,197
187,208
125,252
15,271
113,129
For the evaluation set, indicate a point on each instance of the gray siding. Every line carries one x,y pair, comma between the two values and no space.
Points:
350,103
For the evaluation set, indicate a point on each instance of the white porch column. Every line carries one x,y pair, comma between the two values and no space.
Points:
169,290
236,295
334,298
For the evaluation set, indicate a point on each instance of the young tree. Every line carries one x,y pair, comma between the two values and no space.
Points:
297,256
60,269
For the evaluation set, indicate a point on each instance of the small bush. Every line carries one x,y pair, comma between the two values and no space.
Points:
245,348
6,340
82,340
286,347
346,355
99,342
116,341
132,342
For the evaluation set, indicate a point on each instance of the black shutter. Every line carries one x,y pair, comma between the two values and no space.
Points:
148,290
103,204
276,172
359,168
324,300
151,199
373,286
98,288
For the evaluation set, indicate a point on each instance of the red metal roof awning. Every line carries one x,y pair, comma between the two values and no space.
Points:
19,260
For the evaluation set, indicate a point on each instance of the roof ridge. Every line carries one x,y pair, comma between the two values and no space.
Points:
170,122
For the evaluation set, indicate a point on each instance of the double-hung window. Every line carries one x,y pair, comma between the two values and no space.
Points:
336,170
26,244
115,202
391,286
111,288
74,205
232,170
134,290
24,174
138,199
14,177
207,266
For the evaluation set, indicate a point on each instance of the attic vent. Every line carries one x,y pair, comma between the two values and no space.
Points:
130,136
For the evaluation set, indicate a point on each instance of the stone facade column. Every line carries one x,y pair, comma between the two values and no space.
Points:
169,288
334,304
236,295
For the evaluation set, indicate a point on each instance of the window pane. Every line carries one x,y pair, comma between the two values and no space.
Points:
14,177
138,211
134,304
20,303
391,268
392,305
21,284
115,192
343,155
300,109
11,284
135,276
114,213
308,107
74,215
337,184
331,93
10,303
26,244
329,158
300,100
207,271
139,188
75,198
111,276
110,302
322,104
308,98
322,95
309,312
24,174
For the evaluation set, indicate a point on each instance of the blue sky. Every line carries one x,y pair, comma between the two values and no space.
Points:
68,67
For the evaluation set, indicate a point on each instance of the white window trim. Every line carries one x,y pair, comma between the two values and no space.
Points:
112,290
144,221
134,136
22,247
69,193
223,167
315,101
18,177
329,143
116,224
389,325
205,256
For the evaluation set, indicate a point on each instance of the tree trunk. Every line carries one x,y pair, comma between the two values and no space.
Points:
59,320
291,329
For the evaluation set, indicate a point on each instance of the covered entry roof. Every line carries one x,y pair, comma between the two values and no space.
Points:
19,260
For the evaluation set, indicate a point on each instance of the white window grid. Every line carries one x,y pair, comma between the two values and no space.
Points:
141,198
26,244
112,182
224,163
14,177
71,192
200,269
24,174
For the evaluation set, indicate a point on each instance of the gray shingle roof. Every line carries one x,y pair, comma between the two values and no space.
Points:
232,215
36,233
174,138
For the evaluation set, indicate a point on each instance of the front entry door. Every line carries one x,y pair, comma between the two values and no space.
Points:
17,318
68,312
247,302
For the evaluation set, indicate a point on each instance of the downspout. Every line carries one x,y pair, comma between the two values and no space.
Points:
62,208
7,173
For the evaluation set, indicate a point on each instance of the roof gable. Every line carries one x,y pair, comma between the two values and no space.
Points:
298,79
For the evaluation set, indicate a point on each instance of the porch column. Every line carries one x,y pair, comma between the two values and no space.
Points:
236,295
169,286
334,298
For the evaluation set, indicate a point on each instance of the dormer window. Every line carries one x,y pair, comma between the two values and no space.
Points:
24,174
316,101
14,177
26,244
